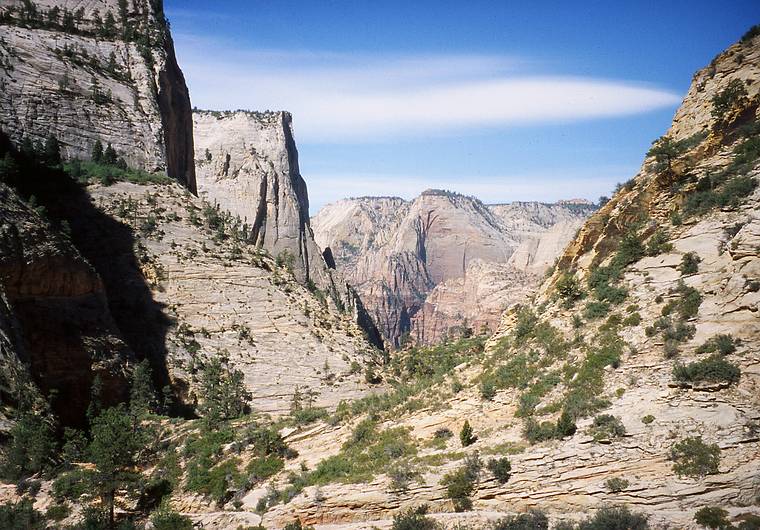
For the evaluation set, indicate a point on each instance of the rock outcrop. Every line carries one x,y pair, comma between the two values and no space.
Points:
74,75
222,296
247,163
412,261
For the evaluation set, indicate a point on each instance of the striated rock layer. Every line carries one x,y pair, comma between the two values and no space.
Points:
417,265
247,163
82,83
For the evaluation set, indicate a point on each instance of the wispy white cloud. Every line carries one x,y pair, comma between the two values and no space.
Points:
547,187
343,97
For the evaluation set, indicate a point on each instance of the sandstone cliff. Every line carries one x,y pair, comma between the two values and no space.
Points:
73,75
413,261
247,163
221,296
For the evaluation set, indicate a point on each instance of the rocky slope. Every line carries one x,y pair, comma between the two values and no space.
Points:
630,349
417,264
222,296
247,163
73,75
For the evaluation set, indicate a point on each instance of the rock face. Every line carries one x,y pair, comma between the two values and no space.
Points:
222,296
411,261
54,315
75,77
247,163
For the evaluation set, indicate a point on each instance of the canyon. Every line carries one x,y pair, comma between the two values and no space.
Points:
588,357
443,263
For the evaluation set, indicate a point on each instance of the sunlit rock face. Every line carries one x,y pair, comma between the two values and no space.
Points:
443,262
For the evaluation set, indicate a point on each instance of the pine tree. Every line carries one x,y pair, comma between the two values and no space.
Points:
109,25
142,396
97,151
96,391
30,449
113,449
53,14
51,153
466,435
109,156
112,66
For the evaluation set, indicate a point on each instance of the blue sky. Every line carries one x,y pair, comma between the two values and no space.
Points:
502,100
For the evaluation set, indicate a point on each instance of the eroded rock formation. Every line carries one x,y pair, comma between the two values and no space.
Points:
419,264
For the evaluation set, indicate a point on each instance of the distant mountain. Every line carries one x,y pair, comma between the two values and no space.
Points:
442,262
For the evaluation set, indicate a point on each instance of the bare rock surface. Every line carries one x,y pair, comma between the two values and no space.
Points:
411,260
231,299
83,86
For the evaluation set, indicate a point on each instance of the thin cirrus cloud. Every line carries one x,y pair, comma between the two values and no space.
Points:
343,97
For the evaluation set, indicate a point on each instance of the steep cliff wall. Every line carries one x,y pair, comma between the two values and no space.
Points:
247,163
66,70
412,261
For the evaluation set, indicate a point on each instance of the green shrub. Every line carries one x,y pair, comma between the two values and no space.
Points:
500,468
687,302
487,390
634,319
606,427
630,249
73,484
547,430
689,263
722,343
734,95
569,289
21,516
466,435
615,518
670,349
616,484
263,467
713,369
658,243
214,482
533,520
168,520
646,420
401,475
414,519
596,310
693,458
461,483
712,517
57,512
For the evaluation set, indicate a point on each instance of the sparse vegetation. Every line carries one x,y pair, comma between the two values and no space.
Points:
721,343
713,369
500,468
460,484
606,427
466,435
689,263
694,458
616,484
414,519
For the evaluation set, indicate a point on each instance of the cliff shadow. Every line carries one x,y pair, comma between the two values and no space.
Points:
109,246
